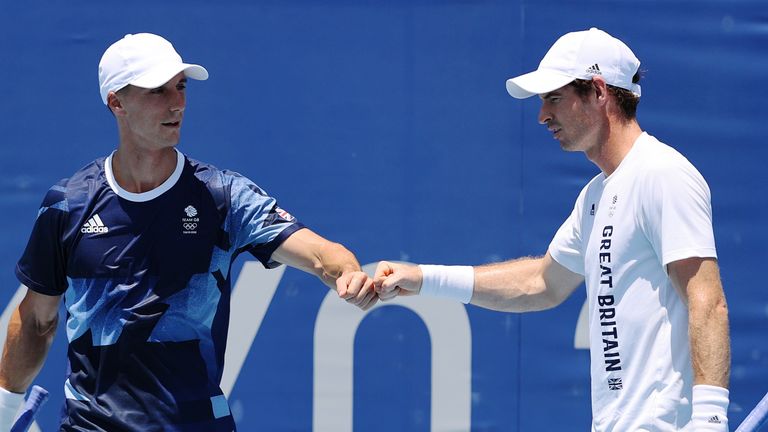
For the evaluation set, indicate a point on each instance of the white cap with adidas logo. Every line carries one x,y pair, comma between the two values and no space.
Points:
579,55
143,60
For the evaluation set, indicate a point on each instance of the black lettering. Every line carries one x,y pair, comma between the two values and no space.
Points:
612,365
605,300
609,344
604,270
607,313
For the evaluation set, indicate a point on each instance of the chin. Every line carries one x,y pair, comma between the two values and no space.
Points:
572,146
173,141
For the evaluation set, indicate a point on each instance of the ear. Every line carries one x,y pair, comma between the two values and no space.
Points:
601,89
114,103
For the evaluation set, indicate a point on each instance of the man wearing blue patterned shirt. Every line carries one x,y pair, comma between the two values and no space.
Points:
140,244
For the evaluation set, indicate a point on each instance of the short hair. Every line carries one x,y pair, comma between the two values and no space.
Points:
625,99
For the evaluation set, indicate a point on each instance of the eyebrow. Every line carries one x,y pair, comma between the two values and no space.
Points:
181,81
550,94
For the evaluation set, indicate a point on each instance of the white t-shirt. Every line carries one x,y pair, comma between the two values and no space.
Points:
623,231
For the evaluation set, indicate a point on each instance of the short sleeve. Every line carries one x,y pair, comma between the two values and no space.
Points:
677,213
566,247
259,225
43,265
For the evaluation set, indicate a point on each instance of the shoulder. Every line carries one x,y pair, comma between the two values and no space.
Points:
225,181
665,172
664,165
81,183
660,158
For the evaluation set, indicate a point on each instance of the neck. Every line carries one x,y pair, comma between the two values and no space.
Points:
613,147
141,170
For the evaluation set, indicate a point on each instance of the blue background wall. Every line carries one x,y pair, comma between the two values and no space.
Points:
386,126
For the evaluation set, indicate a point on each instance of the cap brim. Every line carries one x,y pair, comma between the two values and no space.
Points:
161,74
535,83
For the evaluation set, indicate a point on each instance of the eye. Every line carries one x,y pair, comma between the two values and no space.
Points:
181,86
158,90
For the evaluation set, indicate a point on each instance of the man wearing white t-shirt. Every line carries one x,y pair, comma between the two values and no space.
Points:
640,237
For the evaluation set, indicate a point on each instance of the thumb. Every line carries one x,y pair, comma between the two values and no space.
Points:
342,282
383,269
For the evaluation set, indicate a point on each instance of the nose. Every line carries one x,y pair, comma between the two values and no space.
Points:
544,115
178,100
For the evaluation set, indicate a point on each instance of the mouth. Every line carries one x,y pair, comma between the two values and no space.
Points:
173,124
555,131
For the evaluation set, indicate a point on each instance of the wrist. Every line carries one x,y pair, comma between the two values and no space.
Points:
454,282
9,406
709,408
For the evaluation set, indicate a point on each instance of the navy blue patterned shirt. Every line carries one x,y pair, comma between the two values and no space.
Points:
146,282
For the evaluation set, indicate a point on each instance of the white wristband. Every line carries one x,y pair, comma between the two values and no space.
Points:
454,282
709,408
9,406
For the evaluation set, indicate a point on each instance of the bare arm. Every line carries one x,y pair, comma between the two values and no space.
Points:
336,266
525,284
30,334
698,281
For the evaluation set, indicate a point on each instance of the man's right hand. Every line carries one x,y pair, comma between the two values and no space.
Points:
393,279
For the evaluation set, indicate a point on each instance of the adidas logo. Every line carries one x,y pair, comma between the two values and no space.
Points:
594,70
94,226
714,419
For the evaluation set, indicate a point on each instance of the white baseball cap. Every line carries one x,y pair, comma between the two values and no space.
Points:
143,60
579,55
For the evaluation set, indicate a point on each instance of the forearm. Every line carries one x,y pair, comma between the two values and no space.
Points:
26,347
336,266
525,284
333,260
710,342
698,282
313,254
513,286
711,359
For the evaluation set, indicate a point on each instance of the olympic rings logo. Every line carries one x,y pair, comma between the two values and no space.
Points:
189,226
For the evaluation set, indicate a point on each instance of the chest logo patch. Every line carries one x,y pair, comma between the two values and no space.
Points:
190,211
189,223
94,226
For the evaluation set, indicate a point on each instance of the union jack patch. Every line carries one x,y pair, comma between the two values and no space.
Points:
615,384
